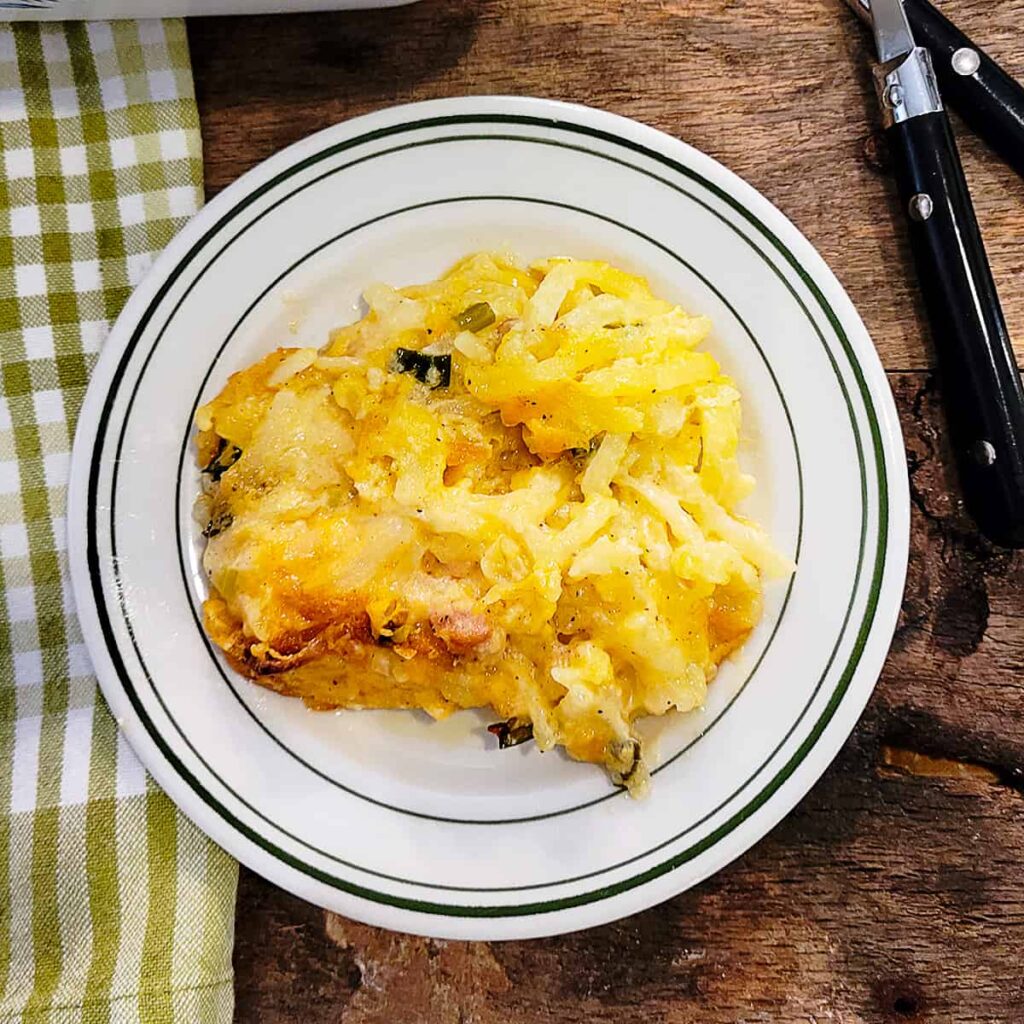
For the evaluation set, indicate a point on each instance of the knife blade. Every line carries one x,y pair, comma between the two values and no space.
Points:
982,93
893,37
982,387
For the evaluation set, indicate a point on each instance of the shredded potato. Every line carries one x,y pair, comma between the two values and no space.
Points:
513,487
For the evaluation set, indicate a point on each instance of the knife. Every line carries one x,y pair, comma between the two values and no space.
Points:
985,96
981,383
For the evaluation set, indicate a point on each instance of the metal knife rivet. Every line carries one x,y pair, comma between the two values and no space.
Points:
983,453
894,94
921,206
966,61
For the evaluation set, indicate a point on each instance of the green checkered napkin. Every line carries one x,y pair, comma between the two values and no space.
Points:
113,907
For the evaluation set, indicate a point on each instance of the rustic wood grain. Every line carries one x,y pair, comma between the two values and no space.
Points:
893,893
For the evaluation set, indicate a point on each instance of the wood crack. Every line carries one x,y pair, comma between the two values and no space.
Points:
901,760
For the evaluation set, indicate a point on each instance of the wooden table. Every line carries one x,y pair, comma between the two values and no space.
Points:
895,891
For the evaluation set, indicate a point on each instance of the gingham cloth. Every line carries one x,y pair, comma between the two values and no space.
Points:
113,907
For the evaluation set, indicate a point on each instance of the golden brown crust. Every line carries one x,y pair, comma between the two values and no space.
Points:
341,628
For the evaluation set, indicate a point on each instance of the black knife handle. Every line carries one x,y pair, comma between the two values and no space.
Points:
981,382
988,99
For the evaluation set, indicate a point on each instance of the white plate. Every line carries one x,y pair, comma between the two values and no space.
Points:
424,827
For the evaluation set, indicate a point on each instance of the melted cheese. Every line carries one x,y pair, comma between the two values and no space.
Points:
553,534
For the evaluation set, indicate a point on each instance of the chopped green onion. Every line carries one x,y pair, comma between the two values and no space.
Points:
511,733
476,317
227,455
434,371
218,523
627,754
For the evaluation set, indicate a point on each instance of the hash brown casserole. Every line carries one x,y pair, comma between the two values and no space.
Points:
512,487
